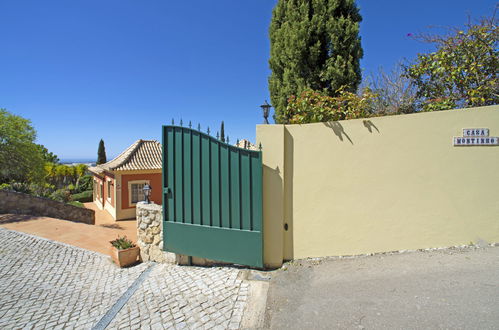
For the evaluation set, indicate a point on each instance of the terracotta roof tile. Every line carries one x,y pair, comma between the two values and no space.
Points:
142,155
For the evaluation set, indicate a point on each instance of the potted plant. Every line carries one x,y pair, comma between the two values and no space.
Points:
124,252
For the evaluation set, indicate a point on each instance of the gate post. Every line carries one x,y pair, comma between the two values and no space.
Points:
272,139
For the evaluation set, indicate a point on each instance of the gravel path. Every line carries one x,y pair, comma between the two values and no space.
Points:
46,284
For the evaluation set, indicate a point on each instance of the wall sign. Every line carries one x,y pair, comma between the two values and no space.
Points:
475,132
476,137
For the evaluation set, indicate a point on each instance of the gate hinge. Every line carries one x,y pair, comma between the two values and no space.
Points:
166,190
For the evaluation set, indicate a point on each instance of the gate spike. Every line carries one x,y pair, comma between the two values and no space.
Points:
190,124
260,146
199,127
218,136
173,121
181,123
227,139
208,130
237,143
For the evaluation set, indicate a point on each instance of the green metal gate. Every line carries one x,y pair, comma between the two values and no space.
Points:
212,198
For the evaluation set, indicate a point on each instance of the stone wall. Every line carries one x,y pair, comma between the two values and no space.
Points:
150,233
19,203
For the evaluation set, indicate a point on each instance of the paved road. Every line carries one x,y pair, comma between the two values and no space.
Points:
45,284
443,289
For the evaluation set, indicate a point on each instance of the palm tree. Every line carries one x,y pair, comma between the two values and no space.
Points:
81,169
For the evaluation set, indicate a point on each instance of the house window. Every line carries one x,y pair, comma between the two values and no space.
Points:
97,190
136,192
109,190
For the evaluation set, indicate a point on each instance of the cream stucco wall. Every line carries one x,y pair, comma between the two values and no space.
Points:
380,184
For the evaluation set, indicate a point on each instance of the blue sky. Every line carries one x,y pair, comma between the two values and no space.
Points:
82,70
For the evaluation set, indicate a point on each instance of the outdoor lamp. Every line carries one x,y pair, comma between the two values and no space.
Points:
266,109
147,193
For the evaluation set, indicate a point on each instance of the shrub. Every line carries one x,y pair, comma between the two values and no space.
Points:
313,107
61,195
21,187
42,190
5,186
85,183
122,243
83,197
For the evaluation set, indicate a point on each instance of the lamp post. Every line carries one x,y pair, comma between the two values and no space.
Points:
266,109
147,193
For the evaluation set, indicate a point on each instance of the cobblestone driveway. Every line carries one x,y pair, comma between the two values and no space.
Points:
44,284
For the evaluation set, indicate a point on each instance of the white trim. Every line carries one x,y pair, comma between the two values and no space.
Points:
130,204
108,183
98,190
110,209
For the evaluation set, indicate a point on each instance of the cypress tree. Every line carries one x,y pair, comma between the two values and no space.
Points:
101,153
222,132
314,44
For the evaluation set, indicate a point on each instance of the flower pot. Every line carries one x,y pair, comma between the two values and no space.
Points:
125,257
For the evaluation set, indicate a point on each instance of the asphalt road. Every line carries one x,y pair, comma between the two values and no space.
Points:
443,289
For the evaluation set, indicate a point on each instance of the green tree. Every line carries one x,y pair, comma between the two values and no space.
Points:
462,72
101,153
48,156
80,171
222,132
314,45
20,158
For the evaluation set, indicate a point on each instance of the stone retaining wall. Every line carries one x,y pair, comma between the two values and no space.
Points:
150,233
19,203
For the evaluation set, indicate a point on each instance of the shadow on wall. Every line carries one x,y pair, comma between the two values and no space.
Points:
338,130
272,226
369,125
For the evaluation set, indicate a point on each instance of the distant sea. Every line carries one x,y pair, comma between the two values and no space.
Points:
75,161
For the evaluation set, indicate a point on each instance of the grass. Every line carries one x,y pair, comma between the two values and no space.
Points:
76,203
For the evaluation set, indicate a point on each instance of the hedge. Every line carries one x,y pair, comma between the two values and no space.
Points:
83,197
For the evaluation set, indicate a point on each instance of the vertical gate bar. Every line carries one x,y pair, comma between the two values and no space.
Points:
187,163
201,220
257,192
173,212
166,174
235,192
250,160
210,181
224,186
215,183
245,190
192,196
179,215
196,177
182,156
164,179
229,185
240,192
205,167
219,187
